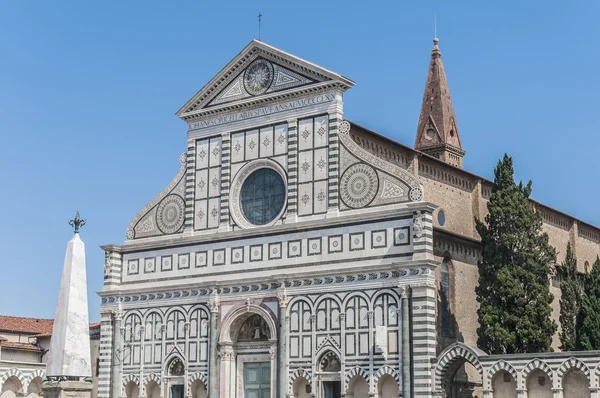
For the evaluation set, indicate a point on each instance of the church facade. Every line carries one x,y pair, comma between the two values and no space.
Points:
298,254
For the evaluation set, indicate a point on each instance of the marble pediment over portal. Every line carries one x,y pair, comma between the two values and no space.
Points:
259,75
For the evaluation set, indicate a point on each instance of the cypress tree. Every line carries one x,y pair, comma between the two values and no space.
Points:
514,288
569,301
588,320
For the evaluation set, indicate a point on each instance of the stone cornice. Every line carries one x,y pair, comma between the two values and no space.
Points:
359,216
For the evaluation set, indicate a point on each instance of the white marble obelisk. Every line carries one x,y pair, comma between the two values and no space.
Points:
68,370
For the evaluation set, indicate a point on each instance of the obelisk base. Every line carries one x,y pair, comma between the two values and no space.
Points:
67,389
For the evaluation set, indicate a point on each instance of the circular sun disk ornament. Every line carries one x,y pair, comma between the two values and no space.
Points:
258,77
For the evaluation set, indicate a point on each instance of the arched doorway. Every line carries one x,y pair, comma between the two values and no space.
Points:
34,389
329,375
539,384
132,390
175,378
387,387
357,388
152,389
12,388
458,372
301,388
576,384
248,353
198,389
504,385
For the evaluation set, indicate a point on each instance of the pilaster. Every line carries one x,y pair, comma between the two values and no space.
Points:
213,353
423,336
190,181
117,357
292,215
106,354
405,305
225,180
283,327
334,170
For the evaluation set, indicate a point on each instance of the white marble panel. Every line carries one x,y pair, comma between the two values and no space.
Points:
252,144
320,164
214,181
266,142
200,215
305,166
215,152
281,139
282,160
320,197
201,184
305,199
305,134
321,131
202,154
214,212
237,147
234,170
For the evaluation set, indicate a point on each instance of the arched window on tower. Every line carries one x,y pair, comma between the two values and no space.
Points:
445,298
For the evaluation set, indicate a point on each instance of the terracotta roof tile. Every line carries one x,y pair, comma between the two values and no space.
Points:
19,346
25,325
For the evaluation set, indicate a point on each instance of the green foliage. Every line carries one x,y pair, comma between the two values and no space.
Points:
569,301
588,320
513,291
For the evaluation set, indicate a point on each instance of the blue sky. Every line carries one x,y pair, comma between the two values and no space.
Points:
88,92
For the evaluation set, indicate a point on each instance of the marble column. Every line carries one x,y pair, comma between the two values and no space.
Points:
521,393
212,365
406,379
282,379
143,393
557,393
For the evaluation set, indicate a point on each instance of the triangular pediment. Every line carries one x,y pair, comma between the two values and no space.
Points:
260,73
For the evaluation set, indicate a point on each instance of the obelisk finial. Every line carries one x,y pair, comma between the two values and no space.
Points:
76,222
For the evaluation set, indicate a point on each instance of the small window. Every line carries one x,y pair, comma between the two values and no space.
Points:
441,218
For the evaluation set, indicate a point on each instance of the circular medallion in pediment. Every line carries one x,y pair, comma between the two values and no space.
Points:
359,185
170,214
258,77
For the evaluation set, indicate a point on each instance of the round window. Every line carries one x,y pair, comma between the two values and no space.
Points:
262,196
441,218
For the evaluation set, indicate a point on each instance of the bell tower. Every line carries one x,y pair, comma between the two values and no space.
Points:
437,133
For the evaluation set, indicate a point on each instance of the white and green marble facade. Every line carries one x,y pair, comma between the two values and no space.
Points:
340,286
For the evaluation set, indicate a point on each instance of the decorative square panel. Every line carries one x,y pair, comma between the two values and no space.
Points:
201,259
321,169
321,131
335,243
357,241
314,246
149,265
402,236
183,261
166,263
256,253
200,215
214,212
219,257
305,166
305,134
295,248
379,238
305,199
215,151
133,267
237,147
214,182
275,251
320,195
266,142
252,144
202,154
281,139
237,255
202,183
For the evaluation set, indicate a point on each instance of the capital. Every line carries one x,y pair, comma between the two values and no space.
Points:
118,314
404,291
283,298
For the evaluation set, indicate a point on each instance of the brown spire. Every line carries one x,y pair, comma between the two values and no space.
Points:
437,134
